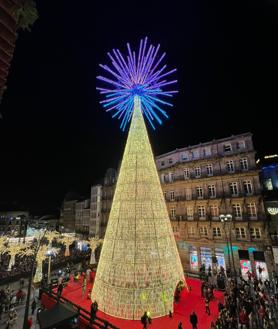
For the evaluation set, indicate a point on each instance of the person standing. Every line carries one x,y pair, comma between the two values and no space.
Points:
84,284
60,290
193,320
33,306
180,325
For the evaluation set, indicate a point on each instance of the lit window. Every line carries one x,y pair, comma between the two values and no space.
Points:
211,191
172,195
203,231
240,233
237,210
173,213
234,189
202,212
209,170
255,233
252,209
191,230
230,166
197,172
189,212
199,192
186,173
216,231
243,164
247,187
214,210
227,148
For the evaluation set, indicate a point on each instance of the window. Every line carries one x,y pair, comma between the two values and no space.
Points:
240,233
252,209
197,172
189,212
191,230
162,178
214,210
165,195
230,166
247,187
255,233
240,145
209,170
233,189
199,192
171,177
207,151
162,163
186,173
184,156
227,147
195,154
188,195
172,196
173,213
268,184
212,191
170,160
216,231
243,164
203,231
237,210
202,212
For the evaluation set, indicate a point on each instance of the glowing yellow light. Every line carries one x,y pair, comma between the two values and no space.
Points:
271,156
94,243
139,266
67,241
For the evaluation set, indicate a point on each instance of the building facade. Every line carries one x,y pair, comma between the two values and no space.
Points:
95,211
82,216
109,185
204,181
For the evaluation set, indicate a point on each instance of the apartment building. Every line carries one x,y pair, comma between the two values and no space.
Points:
202,182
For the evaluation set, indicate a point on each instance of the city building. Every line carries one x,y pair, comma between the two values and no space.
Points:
67,215
108,189
14,222
269,180
82,216
15,14
202,182
95,211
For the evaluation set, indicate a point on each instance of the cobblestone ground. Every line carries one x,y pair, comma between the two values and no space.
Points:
20,309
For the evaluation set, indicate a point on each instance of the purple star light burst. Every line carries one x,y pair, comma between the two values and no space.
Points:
137,74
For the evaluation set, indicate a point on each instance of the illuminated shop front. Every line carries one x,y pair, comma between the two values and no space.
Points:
193,256
260,265
219,254
206,257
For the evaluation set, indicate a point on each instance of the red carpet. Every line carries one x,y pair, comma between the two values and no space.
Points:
189,301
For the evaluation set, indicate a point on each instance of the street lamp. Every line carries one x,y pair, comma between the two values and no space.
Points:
227,218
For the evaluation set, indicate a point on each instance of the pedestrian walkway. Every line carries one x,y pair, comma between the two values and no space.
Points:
20,308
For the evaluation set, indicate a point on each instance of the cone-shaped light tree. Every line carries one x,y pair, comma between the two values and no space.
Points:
139,266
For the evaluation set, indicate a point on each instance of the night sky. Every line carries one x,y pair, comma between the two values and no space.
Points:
54,135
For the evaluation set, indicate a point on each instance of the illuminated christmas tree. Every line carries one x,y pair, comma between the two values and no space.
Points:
139,266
